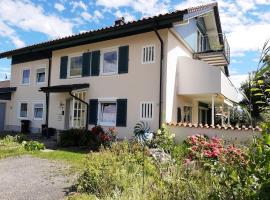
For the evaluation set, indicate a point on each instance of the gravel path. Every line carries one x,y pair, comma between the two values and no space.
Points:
30,178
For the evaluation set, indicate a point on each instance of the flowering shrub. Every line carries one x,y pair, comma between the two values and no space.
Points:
106,138
213,149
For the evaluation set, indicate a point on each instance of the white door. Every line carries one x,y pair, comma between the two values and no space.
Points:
78,111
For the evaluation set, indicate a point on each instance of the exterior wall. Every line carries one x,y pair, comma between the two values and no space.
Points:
231,136
141,83
26,93
175,48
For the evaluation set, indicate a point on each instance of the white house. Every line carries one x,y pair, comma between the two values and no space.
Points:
166,68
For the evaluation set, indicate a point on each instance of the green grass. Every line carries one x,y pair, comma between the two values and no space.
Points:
75,159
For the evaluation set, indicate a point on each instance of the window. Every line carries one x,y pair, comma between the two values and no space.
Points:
148,54
75,66
40,76
23,110
110,62
147,111
187,114
107,113
26,76
38,111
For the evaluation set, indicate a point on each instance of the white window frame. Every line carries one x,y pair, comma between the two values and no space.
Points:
41,67
69,62
113,100
26,68
33,109
19,109
141,113
102,51
142,54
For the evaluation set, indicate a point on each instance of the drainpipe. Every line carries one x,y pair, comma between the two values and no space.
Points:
87,108
48,96
160,76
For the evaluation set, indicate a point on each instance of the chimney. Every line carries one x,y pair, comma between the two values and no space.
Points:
119,21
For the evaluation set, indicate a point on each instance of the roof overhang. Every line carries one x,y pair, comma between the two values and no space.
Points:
64,88
5,93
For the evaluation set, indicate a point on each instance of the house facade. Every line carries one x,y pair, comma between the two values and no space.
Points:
171,67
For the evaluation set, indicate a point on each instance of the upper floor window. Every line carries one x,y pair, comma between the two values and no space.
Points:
40,76
75,66
26,77
23,110
110,62
147,110
148,54
187,114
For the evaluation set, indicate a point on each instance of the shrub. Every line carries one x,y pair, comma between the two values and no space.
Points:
164,139
33,145
74,137
116,171
92,139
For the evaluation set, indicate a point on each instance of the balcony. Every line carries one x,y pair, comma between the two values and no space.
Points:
213,49
196,77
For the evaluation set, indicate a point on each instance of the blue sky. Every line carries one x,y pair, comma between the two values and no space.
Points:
24,22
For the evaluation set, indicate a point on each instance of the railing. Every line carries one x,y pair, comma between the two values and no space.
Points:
214,43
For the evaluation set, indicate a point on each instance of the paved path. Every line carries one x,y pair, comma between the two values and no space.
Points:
30,178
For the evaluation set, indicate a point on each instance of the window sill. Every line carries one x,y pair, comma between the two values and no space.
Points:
107,124
38,119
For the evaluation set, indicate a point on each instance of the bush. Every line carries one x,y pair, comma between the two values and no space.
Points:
83,138
74,137
33,145
164,139
116,171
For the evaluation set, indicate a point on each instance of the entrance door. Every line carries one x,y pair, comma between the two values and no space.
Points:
2,116
78,111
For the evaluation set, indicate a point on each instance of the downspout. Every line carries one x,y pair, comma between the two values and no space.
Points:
160,76
48,96
87,108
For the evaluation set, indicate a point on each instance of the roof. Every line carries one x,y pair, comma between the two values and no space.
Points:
143,25
64,88
7,90
4,84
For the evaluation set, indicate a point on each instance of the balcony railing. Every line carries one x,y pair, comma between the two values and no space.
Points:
211,46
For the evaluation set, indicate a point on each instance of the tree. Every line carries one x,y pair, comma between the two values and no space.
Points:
257,88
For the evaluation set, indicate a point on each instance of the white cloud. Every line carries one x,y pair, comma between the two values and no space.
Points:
78,4
145,7
249,37
86,16
6,31
60,7
238,79
128,17
31,17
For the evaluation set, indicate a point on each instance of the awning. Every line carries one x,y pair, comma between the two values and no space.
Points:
5,93
64,88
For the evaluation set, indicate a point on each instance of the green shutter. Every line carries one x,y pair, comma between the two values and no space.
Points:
93,111
63,67
123,58
179,115
86,64
95,63
121,118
